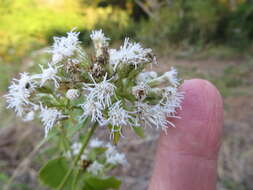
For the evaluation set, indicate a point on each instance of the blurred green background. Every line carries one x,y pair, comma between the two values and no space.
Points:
210,39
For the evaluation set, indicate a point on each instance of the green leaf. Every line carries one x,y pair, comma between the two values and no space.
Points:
53,172
139,131
95,183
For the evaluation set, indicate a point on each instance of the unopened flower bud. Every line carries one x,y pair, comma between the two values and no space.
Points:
72,94
99,41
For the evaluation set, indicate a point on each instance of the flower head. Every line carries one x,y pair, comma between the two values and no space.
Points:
49,117
19,94
95,143
153,116
100,92
172,77
169,77
118,117
93,109
65,47
95,168
109,157
49,73
114,157
171,99
146,76
99,41
129,53
117,158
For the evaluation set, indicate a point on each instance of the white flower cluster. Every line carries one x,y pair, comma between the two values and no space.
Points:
111,88
19,93
49,73
66,48
49,117
23,91
158,114
108,157
129,53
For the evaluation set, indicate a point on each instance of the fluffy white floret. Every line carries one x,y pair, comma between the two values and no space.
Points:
100,92
146,76
95,143
65,47
95,168
172,77
48,74
118,117
99,41
153,116
129,53
93,109
114,157
49,117
168,77
19,93
118,158
172,99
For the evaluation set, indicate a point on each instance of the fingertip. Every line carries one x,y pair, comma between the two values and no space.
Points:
200,127
202,87
187,155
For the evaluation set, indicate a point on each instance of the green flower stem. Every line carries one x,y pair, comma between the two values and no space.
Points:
84,145
74,183
64,138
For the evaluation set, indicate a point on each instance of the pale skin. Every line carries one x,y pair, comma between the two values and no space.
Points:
186,157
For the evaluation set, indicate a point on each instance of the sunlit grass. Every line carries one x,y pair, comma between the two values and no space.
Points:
27,24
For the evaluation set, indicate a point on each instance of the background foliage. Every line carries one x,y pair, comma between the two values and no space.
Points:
29,24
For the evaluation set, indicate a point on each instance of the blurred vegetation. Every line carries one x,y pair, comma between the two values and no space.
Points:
198,22
30,24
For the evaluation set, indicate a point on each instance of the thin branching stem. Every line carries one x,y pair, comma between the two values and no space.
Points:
84,145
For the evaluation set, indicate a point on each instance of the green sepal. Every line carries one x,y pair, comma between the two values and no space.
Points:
139,131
